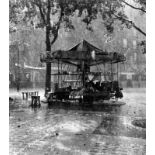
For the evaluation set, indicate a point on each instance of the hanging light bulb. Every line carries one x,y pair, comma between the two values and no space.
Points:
93,55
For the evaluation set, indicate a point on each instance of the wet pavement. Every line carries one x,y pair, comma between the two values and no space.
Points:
79,131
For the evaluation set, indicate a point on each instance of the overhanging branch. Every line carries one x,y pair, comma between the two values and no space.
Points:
57,27
141,9
133,24
39,5
137,28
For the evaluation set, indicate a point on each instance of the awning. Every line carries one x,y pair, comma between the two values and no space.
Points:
86,52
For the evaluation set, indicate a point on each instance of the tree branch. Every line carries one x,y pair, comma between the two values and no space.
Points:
48,13
133,24
137,28
134,6
57,27
40,9
55,38
42,15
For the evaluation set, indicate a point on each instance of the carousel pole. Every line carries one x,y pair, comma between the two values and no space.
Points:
83,76
111,72
104,73
61,76
58,73
117,71
111,77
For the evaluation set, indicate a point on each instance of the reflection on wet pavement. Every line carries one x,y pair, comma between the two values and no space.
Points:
119,126
79,131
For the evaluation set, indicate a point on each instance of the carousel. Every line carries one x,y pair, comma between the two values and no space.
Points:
85,75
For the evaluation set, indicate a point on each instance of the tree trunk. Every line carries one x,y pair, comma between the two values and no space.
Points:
48,65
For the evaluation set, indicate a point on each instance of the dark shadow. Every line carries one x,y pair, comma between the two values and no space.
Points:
35,108
113,125
91,107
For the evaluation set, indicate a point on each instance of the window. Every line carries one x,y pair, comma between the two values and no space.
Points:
134,32
134,44
135,77
143,77
135,56
125,43
122,77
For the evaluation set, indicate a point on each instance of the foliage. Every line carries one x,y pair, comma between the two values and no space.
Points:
52,14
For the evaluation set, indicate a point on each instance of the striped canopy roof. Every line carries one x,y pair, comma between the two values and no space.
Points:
86,52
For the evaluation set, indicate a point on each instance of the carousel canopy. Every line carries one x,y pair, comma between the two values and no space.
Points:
84,52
